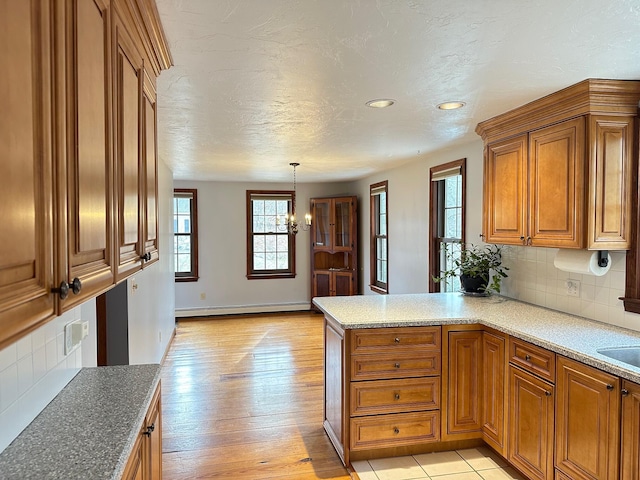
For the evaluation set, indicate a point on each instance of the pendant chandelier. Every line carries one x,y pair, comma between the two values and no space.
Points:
288,222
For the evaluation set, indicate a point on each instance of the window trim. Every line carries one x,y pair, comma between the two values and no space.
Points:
191,276
374,285
434,248
269,274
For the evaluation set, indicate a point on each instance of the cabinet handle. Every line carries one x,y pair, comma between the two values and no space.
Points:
396,430
529,241
547,393
397,365
522,239
609,387
149,430
397,396
397,340
527,357
64,288
146,257
624,392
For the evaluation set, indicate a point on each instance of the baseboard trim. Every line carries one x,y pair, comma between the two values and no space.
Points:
166,350
242,309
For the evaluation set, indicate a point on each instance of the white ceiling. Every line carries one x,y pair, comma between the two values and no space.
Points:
257,84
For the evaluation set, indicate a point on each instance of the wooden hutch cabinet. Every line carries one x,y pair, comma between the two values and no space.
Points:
334,250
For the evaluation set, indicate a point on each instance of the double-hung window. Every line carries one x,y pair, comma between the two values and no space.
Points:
379,261
185,234
447,219
270,248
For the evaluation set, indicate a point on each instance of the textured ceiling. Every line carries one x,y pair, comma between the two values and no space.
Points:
258,84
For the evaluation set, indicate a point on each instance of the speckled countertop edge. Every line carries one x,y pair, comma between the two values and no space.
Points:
88,430
569,335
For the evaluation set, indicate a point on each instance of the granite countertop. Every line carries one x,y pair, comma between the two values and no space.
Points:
569,335
88,430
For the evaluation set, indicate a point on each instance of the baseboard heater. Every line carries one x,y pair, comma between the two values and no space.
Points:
242,309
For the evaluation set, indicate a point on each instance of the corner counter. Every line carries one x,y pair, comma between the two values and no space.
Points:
569,335
88,430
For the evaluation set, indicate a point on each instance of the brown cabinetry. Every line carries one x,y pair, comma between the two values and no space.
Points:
587,421
557,169
493,390
334,251
630,460
75,123
145,461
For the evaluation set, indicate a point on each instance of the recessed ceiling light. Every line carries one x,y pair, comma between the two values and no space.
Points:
451,105
380,103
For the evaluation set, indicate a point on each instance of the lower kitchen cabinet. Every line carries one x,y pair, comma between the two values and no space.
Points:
630,461
493,390
587,421
531,424
145,462
333,283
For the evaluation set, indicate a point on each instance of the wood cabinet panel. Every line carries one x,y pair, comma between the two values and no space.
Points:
556,188
394,396
85,227
493,390
505,193
378,340
533,359
134,470
149,175
630,460
398,365
127,102
610,182
587,421
464,372
531,424
335,415
153,424
26,257
383,431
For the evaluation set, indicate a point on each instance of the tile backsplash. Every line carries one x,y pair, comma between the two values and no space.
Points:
32,372
534,279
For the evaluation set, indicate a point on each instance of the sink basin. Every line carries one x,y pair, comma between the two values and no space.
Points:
630,355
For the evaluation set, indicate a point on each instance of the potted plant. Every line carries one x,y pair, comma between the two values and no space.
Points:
474,265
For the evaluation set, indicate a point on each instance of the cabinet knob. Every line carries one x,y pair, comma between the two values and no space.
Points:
522,238
529,241
397,340
547,393
396,430
62,290
624,392
397,365
146,257
397,396
527,358
609,387
76,286
149,430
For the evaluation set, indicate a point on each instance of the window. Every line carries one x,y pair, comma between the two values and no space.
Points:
270,248
185,234
379,246
446,221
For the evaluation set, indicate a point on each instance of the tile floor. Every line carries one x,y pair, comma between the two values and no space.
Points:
470,464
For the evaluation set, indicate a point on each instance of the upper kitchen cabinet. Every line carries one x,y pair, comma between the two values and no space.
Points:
84,150
334,251
26,260
149,175
558,170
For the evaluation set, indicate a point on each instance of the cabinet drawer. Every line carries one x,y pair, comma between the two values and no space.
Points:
533,359
395,396
376,340
382,431
387,366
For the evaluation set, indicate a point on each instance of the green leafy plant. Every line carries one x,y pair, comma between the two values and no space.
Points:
476,262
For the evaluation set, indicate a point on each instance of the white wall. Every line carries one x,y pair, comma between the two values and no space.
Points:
152,303
222,259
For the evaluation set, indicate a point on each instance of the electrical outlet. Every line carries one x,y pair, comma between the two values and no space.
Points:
573,287
203,296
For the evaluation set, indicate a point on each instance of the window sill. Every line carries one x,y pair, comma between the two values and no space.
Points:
187,279
264,276
375,288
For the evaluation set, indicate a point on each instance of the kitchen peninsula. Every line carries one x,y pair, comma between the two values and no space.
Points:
409,374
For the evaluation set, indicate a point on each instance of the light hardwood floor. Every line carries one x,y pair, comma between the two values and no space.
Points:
242,399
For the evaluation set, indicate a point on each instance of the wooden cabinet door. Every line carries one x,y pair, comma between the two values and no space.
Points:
149,175
505,192
321,234
127,103
630,461
336,415
85,228
587,421
322,284
530,424
26,257
342,224
464,371
610,182
557,185
493,390
342,283
153,439
134,469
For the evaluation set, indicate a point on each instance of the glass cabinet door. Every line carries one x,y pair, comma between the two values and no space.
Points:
342,231
322,218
